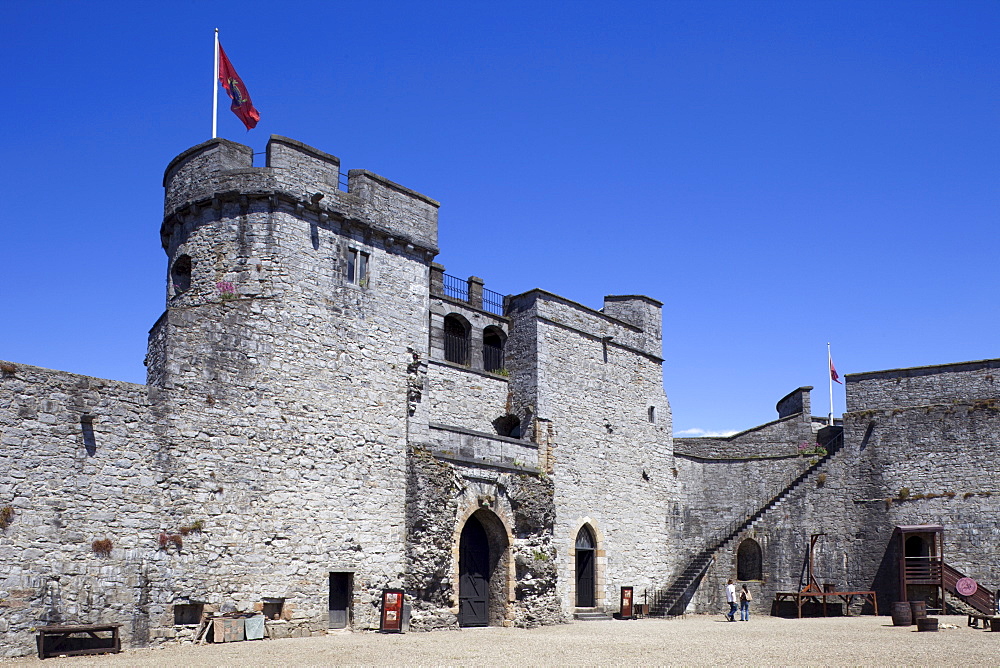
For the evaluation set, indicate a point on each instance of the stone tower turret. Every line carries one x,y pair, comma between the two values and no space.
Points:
283,364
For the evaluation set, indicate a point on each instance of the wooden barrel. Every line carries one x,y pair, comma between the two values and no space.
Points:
901,614
919,609
927,624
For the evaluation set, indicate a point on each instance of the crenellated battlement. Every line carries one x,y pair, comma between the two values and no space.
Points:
301,179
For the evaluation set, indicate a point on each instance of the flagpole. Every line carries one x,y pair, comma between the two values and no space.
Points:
829,372
215,88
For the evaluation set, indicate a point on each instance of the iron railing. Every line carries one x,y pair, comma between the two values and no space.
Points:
456,347
492,301
456,288
492,357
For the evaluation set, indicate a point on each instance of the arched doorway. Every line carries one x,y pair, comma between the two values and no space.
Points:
474,575
483,564
585,568
749,561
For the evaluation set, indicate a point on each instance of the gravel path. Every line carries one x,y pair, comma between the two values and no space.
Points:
692,641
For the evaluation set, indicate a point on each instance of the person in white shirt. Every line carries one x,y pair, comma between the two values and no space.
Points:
731,600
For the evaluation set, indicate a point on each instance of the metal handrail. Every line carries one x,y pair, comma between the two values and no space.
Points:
721,538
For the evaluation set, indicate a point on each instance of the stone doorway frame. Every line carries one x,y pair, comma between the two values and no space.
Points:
501,538
600,562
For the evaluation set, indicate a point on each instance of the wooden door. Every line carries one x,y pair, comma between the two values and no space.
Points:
474,575
585,569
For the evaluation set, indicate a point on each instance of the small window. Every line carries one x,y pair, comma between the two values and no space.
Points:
180,274
357,267
273,607
87,427
652,413
508,425
188,613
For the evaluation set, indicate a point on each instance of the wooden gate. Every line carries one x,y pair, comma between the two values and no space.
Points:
474,575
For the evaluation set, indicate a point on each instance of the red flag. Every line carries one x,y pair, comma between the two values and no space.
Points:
834,376
242,106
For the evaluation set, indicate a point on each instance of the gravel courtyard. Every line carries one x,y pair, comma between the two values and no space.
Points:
698,640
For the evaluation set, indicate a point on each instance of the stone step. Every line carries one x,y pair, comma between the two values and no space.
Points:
591,615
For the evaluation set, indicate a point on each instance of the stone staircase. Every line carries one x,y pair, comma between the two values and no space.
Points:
674,599
591,615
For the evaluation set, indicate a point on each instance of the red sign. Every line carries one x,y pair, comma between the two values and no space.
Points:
626,609
392,611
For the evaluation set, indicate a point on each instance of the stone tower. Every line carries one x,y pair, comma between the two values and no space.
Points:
294,310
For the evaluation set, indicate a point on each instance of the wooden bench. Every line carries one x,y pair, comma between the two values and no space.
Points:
59,640
993,621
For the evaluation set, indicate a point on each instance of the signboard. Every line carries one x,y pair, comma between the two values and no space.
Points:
966,586
392,611
626,603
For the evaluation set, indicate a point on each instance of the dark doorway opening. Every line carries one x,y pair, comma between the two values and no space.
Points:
341,593
749,561
585,561
474,575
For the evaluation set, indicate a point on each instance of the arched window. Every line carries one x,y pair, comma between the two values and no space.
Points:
493,345
749,561
180,274
456,339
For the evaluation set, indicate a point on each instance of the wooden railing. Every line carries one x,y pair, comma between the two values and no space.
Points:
983,600
923,570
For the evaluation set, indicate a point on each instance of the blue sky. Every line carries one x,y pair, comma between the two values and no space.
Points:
779,174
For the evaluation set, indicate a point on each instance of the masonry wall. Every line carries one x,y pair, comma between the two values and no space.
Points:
927,441
722,480
595,380
920,448
286,402
65,492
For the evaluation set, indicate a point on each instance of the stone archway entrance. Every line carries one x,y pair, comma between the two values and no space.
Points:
585,568
482,571
474,575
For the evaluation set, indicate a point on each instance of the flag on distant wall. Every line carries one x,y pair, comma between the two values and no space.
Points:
834,376
242,106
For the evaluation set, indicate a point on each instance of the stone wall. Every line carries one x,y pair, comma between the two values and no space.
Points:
920,447
926,442
593,381
723,479
441,498
75,468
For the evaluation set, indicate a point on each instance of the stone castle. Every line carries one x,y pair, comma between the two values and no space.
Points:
328,414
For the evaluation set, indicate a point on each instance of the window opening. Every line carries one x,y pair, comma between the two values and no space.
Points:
180,274
273,607
456,340
188,613
508,425
89,440
357,267
493,347
652,413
